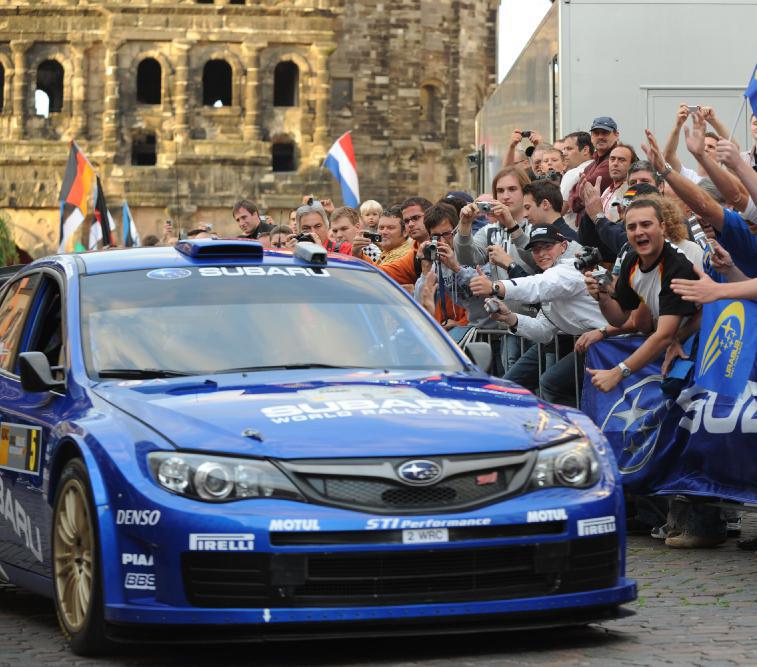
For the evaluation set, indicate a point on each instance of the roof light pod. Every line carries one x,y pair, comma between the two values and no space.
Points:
199,248
312,253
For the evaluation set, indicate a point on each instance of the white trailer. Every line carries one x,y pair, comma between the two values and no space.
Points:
634,61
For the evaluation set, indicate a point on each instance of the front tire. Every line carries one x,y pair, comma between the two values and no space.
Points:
76,568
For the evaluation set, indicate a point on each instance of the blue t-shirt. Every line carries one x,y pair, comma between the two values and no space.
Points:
740,242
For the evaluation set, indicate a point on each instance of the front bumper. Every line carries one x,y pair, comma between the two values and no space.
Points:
306,579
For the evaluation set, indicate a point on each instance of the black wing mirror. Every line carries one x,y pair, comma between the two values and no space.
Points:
480,354
36,374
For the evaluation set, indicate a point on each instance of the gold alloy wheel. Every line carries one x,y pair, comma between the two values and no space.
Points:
73,542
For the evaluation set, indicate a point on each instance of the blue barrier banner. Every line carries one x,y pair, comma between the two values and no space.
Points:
699,442
727,349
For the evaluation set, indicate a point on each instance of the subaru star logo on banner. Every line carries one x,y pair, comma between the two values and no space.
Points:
727,346
699,442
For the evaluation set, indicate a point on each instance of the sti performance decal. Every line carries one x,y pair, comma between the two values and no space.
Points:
20,448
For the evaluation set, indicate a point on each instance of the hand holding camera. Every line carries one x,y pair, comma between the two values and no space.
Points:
499,257
372,237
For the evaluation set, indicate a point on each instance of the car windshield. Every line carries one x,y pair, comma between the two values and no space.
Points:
221,319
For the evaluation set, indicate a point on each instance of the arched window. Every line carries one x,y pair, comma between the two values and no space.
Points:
283,156
431,109
216,84
50,82
286,83
149,81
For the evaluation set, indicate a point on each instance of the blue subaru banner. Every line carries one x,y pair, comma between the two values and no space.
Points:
728,343
700,442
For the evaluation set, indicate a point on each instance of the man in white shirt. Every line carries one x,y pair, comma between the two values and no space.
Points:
566,308
577,153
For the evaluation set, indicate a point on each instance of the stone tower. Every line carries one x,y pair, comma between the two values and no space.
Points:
184,106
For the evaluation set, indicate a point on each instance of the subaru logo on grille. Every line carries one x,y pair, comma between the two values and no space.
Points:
419,472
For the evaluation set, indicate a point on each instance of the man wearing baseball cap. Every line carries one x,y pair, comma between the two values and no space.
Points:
566,308
604,136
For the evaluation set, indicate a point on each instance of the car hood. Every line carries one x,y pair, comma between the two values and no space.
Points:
291,414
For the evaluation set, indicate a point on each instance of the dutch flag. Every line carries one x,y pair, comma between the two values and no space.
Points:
340,161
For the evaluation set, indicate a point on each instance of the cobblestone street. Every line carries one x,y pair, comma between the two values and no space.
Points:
694,608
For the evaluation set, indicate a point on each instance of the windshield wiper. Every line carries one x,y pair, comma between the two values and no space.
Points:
141,373
281,367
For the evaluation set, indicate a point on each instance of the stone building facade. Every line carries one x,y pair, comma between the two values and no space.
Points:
184,106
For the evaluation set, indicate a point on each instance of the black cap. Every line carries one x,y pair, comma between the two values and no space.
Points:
604,123
545,234
459,194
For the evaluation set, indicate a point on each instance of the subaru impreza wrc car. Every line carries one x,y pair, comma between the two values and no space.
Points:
214,441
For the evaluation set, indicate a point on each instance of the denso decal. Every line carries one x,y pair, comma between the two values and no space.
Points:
300,412
397,523
539,516
222,542
139,581
137,517
12,511
140,560
293,524
599,526
213,271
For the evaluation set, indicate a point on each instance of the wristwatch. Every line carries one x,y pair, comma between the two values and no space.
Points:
603,331
495,289
624,370
599,217
514,327
664,173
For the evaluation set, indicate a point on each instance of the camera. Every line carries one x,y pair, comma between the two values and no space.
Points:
525,134
491,305
484,206
551,175
373,237
588,259
311,201
304,236
602,276
431,250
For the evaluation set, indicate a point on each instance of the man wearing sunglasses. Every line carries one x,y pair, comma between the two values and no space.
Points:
407,269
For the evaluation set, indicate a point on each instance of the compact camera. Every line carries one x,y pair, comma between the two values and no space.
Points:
311,201
587,260
484,206
431,250
373,237
602,276
525,134
491,305
305,236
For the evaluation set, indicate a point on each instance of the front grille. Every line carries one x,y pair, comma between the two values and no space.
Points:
469,481
399,577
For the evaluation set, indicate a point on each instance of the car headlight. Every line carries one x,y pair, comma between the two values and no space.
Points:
219,478
573,464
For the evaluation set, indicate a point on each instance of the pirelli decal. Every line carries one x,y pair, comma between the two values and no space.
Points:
20,448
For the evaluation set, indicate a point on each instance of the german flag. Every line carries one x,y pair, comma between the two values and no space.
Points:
76,197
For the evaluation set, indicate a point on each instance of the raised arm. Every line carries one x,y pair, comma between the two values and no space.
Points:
728,153
671,146
692,195
729,186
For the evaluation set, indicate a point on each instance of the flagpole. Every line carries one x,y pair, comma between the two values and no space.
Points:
738,118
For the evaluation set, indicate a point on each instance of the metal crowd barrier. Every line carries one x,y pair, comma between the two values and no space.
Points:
488,336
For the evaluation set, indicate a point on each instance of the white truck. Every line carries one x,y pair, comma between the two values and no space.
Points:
633,61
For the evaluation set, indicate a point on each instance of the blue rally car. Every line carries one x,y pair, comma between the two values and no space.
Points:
216,442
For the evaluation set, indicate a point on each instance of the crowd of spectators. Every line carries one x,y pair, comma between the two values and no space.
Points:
578,241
